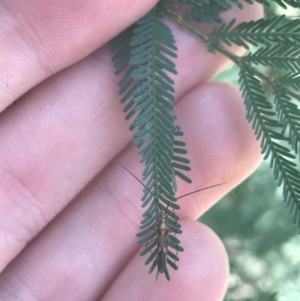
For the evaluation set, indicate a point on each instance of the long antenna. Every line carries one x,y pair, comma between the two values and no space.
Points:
134,176
140,182
199,190
173,199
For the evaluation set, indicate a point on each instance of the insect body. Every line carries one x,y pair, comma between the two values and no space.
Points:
162,244
162,240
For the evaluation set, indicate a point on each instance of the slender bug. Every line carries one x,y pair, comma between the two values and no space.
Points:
162,245
163,231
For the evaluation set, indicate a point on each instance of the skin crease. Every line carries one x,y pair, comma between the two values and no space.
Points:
68,216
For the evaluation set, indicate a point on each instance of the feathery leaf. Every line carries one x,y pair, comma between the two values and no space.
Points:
279,30
148,91
260,113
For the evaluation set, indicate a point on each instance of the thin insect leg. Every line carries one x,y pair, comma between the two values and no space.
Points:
173,241
152,257
176,230
176,247
174,223
146,239
172,256
150,242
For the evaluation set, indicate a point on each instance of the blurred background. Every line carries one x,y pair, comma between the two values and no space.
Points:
262,243
257,230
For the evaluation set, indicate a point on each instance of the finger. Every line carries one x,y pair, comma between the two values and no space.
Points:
53,143
202,275
40,37
226,150
88,245
75,127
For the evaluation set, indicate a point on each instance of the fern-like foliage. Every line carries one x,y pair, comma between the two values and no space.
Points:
145,54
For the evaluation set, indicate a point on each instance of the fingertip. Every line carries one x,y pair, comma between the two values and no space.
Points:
204,266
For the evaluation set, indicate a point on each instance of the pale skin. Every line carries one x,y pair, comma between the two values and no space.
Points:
68,216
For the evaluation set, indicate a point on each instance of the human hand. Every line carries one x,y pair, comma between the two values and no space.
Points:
68,217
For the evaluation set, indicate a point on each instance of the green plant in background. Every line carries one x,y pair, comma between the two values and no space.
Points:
144,55
262,243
